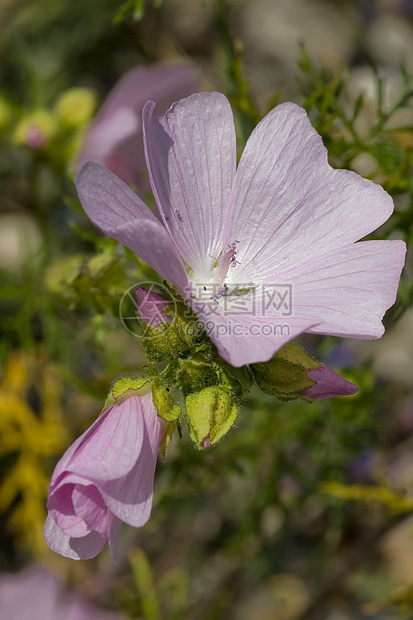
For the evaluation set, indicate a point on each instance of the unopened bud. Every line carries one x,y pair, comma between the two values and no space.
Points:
35,129
328,383
212,411
75,106
286,374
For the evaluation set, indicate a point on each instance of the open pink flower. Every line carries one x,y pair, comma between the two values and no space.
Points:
115,137
104,478
270,247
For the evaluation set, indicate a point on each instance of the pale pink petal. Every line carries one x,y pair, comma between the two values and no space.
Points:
32,590
151,242
106,135
118,212
328,383
130,498
62,466
191,157
61,510
107,200
249,338
115,137
75,607
288,205
89,505
162,82
75,548
112,450
350,289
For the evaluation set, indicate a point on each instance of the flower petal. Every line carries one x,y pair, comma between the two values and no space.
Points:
112,450
191,157
118,212
89,505
249,338
151,242
61,510
288,204
107,200
350,289
76,548
130,498
114,139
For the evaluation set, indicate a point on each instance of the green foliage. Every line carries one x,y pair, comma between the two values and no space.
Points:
134,7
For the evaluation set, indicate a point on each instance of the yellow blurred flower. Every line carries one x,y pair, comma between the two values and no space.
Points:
31,429
75,107
35,129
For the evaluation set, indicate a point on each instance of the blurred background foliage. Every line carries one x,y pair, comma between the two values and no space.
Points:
305,510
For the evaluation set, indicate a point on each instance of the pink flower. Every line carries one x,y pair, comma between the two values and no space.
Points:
271,246
115,137
104,478
328,383
36,594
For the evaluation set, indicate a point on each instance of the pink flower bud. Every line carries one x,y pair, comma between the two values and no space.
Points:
328,383
151,307
104,478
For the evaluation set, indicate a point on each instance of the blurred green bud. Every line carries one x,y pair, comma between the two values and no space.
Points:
36,129
212,412
75,107
5,114
285,374
164,402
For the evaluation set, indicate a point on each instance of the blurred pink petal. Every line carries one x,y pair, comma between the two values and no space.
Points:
285,225
115,137
35,594
328,383
105,476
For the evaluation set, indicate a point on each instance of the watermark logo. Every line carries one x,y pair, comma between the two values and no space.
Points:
152,309
277,298
219,305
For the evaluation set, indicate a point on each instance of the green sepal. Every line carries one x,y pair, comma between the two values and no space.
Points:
126,387
163,446
240,380
285,374
211,411
197,371
163,400
190,329
175,339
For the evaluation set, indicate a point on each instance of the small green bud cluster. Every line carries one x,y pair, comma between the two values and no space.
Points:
195,385
55,131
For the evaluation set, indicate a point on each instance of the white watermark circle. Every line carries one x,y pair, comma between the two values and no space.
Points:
129,308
